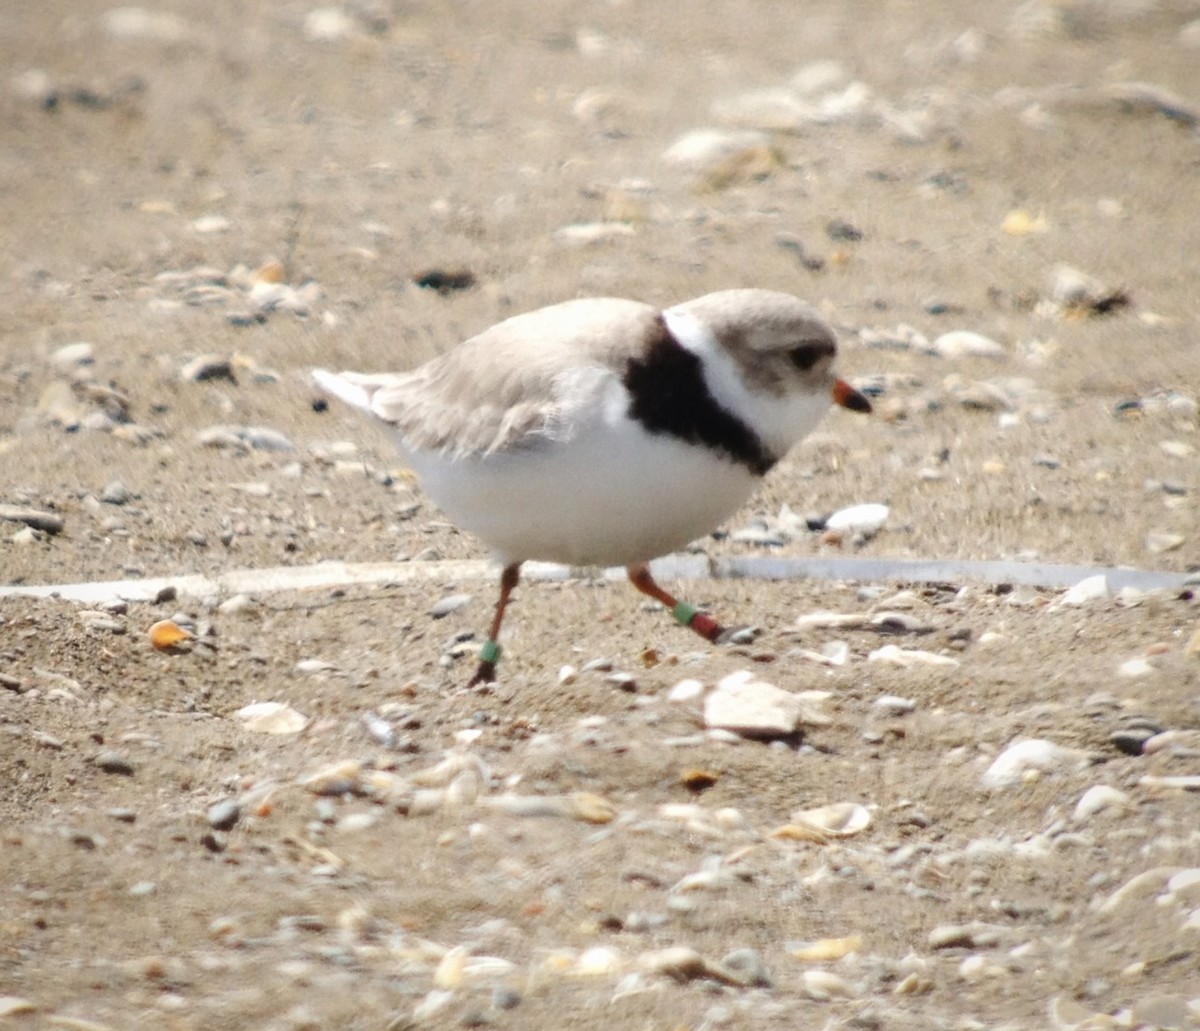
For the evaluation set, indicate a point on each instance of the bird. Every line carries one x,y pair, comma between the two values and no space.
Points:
601,432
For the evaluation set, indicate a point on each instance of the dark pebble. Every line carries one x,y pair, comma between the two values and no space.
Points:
1131,739
505,998
224,814
445,282
839,230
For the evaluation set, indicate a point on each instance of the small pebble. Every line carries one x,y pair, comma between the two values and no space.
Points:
71,356
207,367
893,705
114,762
1097,799
965,344
33,518
505,997
749,965
223,815
116,493
451,603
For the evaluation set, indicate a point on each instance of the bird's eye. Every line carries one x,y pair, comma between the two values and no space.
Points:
806,355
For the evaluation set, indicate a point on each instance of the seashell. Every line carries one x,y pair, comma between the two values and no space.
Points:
894,705
684,964
598,960
1185,885
449,768
745,705
270,271
800,832
1086,591
817,77
328,25
450,970
824,949
207,224
589,808
167,635
1067,1015
464,789
431,1005
838,820
1182,742
831,653
314,666
1029,756
341,778
1096,799
1135,667
823,985
487,968
707,148
716,879
685,691
913,984
1160,542
962,343
58,406
865,519
271,718
71,356
897,656
1021,223
583,234
832,621
15,1006
1143,884
145,23
1192,648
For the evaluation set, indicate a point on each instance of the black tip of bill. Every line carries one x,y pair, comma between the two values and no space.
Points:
846,396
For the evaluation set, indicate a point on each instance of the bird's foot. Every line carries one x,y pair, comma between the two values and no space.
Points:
738,635
485,672
708,628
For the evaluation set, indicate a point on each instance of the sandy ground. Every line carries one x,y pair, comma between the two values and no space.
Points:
263,184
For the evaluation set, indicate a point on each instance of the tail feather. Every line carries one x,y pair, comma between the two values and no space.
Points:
346,386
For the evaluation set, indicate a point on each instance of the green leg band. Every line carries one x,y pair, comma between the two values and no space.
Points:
684,613
490,652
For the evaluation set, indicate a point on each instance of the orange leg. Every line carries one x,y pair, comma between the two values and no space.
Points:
489,654
688,615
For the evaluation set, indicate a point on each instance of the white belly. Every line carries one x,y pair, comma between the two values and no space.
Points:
612,495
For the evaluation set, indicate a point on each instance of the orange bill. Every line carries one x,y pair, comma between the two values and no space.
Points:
846,396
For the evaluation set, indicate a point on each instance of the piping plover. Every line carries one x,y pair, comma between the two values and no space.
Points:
604,432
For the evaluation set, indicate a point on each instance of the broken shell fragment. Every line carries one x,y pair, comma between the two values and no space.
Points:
825,949
167,635
837,820
271,718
